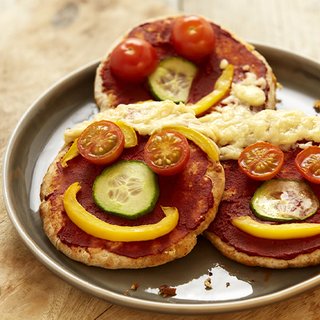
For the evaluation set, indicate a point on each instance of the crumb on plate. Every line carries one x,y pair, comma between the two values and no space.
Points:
167,291
208,284
134,286
316,106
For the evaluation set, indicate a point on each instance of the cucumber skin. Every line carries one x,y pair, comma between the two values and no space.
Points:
267,218
140,213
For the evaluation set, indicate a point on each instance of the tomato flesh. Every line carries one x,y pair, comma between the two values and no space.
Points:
133,60
101,143
261,161
167,152
193,37
308,163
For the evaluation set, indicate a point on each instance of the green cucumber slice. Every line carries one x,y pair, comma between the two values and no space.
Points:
172,79
284,200
128,188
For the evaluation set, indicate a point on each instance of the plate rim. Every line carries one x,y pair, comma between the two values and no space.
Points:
107,294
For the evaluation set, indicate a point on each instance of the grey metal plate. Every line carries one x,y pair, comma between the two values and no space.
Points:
33,146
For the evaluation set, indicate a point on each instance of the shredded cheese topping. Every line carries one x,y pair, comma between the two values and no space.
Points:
146,118
233,125
236,127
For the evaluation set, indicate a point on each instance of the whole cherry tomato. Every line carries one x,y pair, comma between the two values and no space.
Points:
193,37
133,59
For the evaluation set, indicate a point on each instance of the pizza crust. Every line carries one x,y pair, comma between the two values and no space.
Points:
302,260
52,218
104,100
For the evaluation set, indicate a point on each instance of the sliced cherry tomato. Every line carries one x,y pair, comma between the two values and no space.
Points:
193,37
133,59
167,152
101,143
308,163
261,160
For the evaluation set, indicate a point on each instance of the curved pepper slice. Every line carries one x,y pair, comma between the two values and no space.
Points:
220,89
100,229
70,154
130,136
204,143
283,231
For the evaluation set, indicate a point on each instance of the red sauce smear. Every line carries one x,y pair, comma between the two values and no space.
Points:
242,189
158,33
189,191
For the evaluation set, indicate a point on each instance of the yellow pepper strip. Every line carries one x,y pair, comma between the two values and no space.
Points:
70,154
100,229
283,231
130,136
204,143
220,89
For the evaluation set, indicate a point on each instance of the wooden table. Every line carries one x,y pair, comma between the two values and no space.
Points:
40,42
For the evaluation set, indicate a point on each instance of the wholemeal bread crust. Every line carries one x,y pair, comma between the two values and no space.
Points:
302,260
52,218
104,99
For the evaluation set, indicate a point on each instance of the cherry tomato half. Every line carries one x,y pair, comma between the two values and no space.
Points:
133,60
261,161
308,163
193,37
101,143
167,152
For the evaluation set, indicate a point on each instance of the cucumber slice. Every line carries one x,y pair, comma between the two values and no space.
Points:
128,188
172,79
284,200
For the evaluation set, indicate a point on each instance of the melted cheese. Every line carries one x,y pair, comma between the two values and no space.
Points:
232,127
250,91
249,94
236,127
146,118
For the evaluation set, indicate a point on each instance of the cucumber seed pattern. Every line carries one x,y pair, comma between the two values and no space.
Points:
123,187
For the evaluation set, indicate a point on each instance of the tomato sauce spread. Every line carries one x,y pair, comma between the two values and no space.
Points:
158,33
190,191
236,202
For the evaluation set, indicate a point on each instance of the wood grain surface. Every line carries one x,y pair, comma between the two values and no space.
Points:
41,41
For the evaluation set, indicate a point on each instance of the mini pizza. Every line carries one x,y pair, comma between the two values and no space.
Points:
116,199
269,215
184,59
